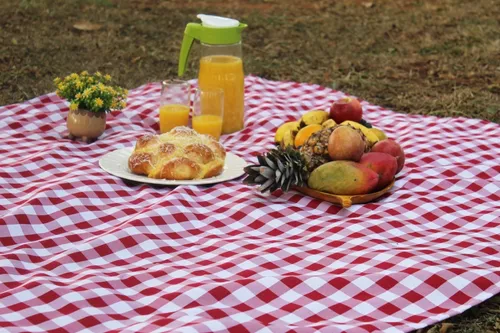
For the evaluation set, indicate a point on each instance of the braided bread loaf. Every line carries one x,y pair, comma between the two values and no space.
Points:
180,154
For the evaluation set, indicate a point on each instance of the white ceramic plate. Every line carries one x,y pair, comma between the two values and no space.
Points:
116,163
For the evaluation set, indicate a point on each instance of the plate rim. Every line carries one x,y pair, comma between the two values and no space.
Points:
166,182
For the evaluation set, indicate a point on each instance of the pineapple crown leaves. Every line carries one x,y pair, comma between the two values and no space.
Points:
278,168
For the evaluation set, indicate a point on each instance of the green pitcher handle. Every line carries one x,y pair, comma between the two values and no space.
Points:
192,32
207,35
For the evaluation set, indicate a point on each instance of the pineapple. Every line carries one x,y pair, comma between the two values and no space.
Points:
278,168
284,167
315,149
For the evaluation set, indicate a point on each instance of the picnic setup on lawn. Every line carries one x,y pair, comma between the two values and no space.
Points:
230,202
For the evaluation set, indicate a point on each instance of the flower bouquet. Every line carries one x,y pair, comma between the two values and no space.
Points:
90,98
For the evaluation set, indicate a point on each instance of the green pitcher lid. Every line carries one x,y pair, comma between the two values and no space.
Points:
215,30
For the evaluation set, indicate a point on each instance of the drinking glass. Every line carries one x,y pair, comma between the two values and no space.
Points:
174,104
208,111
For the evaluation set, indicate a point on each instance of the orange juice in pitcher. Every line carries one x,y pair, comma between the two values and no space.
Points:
221,64
225,72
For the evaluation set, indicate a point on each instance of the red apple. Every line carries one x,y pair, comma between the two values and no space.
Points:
346,108
391,147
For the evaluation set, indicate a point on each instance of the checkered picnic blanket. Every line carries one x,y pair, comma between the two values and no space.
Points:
83,251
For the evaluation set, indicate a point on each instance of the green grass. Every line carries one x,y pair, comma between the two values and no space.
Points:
438,58
411,56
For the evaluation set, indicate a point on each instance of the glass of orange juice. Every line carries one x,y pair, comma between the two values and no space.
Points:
174,104
208,111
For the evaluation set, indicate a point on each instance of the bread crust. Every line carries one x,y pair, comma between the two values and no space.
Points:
181,154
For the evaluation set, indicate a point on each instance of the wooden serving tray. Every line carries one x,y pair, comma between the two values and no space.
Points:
344,200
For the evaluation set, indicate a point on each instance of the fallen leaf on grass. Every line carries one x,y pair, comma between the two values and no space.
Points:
444,327
86,26
368,4
494,88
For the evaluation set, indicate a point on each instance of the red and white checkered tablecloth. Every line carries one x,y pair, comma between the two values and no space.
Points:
82,251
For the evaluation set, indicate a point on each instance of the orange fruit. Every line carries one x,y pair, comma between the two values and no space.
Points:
304,133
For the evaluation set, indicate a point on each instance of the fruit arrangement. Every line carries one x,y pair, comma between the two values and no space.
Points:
333,151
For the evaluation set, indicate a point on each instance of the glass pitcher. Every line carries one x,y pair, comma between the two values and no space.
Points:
221,64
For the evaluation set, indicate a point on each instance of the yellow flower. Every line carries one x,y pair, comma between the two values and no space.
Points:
61,86
107,77
98,102
98,74
84,73
78,96
74,76
110,90
87,93
78,84
73,106
125,92
57,80
100,86
113,104
123,104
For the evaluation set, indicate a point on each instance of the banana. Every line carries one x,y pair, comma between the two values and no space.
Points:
288,138
379,133
313,117
280,132
329,123
370,136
